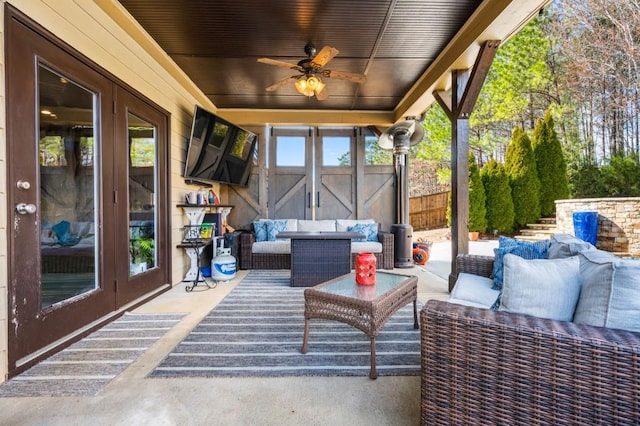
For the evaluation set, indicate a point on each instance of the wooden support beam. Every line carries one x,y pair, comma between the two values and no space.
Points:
478,74
466,86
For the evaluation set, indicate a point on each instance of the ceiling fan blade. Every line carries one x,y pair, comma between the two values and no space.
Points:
281,83
277,63
322,95
343,75
324,56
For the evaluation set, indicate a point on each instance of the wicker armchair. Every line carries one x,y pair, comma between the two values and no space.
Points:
249,260
486,367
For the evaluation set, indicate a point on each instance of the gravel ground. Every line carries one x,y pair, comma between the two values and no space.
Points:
432,235
444,234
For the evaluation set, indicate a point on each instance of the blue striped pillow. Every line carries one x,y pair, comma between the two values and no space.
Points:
370,231
260,229
274,227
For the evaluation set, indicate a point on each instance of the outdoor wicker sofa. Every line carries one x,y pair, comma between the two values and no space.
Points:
485,367
275,258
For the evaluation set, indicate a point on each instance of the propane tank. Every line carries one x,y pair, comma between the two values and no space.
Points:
223,266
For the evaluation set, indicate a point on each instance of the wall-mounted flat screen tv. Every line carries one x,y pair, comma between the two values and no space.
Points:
218,151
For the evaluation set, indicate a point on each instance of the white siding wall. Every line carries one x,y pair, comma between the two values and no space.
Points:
102,31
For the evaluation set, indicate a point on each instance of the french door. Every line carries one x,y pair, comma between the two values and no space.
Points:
87,186
140,175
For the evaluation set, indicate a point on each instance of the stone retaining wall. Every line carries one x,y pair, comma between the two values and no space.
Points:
618,221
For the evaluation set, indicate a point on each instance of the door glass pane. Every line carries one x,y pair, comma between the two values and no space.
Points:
336,151
142,195
374,155
67,165
290,151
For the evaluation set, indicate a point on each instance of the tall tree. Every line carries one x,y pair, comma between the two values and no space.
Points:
550,163
499,203
521,167
437,134
598,43
517,90
477,199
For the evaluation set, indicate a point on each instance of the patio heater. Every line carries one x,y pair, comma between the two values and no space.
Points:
400,137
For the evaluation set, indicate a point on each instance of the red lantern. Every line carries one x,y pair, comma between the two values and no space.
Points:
366,269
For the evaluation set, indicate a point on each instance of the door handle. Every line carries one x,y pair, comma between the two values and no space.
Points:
309,198
24,208
23,184
318,197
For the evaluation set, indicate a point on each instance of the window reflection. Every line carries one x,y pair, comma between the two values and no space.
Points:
290,151
68,217
142,195
336,151
374,155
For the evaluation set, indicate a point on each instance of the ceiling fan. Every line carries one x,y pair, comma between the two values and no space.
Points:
310,69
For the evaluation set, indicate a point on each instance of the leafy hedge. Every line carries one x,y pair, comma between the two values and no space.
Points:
551,165
499,204
477,199
523,178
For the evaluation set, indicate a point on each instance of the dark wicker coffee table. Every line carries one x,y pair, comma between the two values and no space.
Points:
317,257
366,308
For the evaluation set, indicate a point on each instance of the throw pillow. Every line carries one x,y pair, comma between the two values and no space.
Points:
610,294
545,288
473,290
525,251
342,225
540,246
274,227
565,245
260,229
370,230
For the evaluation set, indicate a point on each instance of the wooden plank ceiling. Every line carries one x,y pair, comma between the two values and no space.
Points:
393,42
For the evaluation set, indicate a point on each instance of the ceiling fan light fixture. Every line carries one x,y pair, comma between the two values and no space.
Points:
301,86
309,86
313,82
320,86
308,82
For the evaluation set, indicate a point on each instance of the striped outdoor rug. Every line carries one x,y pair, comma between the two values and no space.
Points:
85,367
257,330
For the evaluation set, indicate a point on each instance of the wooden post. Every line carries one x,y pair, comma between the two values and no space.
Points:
466,86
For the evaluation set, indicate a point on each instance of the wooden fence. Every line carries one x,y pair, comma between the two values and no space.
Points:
428,211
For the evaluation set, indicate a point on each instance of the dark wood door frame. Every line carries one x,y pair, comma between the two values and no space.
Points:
129,288
36,327
36,333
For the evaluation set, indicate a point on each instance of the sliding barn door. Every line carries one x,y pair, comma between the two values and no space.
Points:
335,183
291,189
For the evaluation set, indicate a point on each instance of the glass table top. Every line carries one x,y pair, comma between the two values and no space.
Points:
347,286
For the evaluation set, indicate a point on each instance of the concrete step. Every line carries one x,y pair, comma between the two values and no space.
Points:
541,226
529,238
541,230
547,232
548,220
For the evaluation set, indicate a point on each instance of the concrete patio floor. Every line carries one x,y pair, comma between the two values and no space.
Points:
132,399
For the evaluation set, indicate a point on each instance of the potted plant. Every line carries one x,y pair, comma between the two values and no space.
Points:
141,254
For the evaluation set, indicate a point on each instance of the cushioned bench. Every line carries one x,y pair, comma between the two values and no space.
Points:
262,250
510,365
